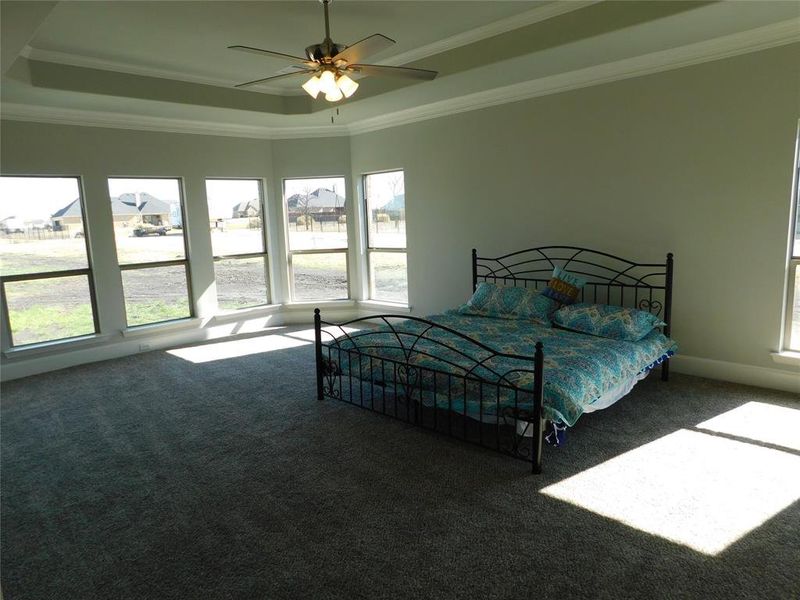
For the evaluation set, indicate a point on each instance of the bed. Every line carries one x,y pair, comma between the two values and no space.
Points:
503,383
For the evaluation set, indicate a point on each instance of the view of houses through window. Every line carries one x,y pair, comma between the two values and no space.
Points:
46,279
317,226
385,204
45,273
151,248
235,210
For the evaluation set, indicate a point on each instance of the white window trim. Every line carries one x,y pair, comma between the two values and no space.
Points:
792,264
7,334
185,261
288,252
368,283
269,300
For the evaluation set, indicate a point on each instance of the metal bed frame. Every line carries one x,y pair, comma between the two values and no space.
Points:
397,387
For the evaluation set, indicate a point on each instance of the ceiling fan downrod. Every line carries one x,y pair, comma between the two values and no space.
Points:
327,21
323,52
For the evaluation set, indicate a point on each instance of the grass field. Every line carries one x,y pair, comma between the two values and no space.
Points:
51,309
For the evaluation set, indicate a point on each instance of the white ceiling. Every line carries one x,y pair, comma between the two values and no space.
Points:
188,40
165,65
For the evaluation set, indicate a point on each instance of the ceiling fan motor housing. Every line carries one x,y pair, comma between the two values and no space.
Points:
325,50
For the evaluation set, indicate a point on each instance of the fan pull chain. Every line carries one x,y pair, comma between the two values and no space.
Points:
337,114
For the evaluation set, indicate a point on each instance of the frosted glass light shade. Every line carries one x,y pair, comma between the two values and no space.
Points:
334,96
346,85
312,86
327,83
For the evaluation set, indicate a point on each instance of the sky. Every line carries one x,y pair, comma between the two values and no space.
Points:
37,198
224,194
34,198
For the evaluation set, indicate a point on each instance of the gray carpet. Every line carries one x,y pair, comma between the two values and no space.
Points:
155,477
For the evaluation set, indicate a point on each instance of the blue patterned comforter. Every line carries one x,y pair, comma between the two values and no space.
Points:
578,368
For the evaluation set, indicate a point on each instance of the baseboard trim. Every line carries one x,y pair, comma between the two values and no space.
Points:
778,379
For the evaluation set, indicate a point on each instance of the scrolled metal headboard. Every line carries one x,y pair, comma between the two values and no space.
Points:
610,279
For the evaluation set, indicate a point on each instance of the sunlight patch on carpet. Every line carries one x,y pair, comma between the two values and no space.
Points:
692,488
235,348
779,425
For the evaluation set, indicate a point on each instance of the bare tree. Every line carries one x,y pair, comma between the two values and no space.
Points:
396,184
304,206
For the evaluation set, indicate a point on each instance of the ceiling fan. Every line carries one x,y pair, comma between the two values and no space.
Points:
330,63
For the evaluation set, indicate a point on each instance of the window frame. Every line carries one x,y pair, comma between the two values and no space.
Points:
793,260
369,249
289,252
264,254
87,271
185,261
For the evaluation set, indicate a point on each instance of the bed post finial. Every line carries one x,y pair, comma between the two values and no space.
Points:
474,269
538,402
318,350
667,311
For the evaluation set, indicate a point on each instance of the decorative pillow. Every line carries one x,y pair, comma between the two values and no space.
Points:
490,300
564,287
615,322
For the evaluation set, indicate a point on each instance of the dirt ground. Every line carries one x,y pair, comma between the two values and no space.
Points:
240,282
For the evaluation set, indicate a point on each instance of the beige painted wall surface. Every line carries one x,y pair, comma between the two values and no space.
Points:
696,161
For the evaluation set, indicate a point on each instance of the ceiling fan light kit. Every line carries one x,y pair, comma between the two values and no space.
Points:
329,64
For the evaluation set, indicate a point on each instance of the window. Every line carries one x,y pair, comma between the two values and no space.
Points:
315,214
238,241
151,249
45,274
792,331
385,203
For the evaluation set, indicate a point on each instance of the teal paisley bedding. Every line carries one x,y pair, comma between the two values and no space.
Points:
578,368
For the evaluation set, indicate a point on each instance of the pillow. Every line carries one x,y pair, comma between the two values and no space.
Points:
563,287
491,300
615,322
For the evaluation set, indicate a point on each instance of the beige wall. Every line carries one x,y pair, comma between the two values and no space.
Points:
696,161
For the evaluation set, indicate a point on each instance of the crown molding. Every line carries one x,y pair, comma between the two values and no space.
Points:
89,62
761,38
529,17
111,120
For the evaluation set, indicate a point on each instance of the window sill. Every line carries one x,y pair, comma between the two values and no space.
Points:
394,307
43,348
787,357
251,312
321,304
166,326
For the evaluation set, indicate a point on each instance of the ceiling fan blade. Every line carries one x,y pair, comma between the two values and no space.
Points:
386,71
273,77
364,48
250,49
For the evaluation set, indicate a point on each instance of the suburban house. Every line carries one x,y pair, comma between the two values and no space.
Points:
248,208
395,208
128,210
321,204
